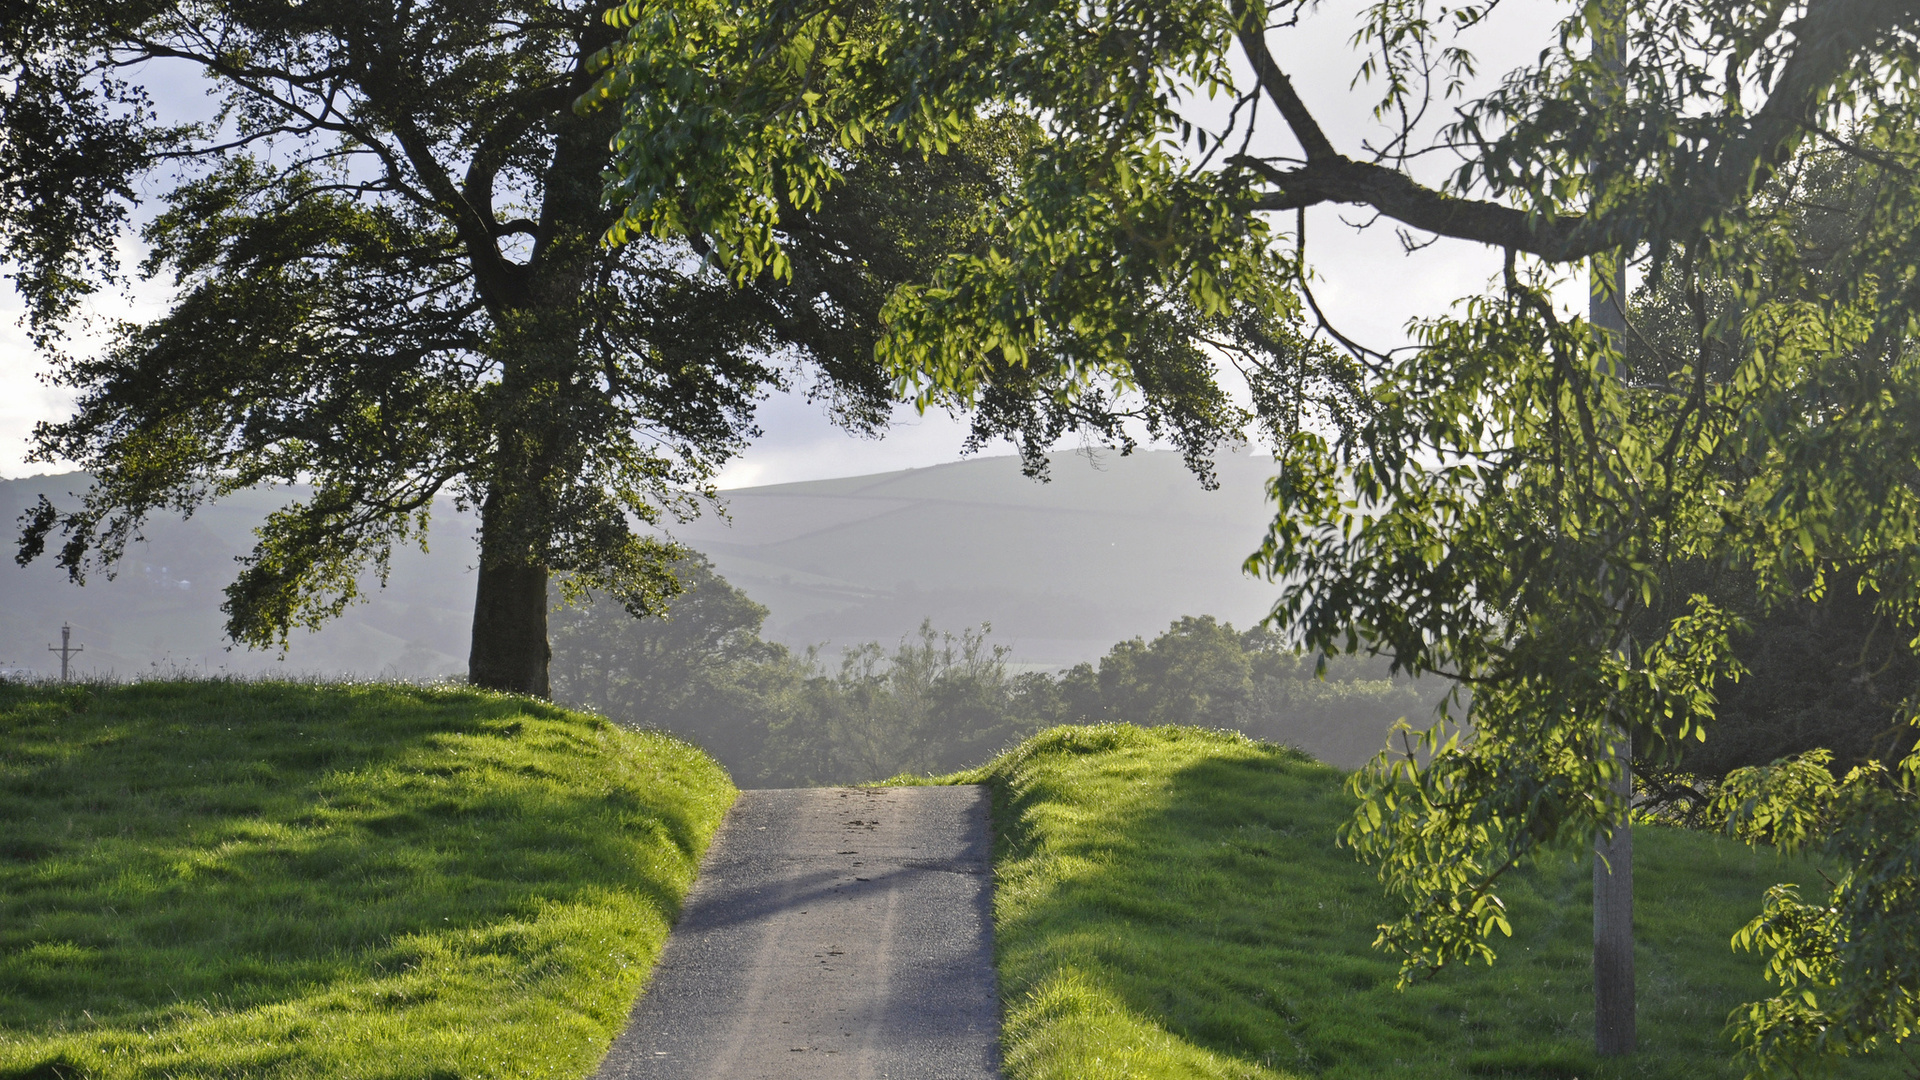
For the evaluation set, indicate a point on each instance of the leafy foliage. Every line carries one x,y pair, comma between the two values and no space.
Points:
1502,505
1129,212
1525,540
387,285
1103,290
1847,963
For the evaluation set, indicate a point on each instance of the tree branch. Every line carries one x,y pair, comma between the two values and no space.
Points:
1253,41
1828,39
1343,180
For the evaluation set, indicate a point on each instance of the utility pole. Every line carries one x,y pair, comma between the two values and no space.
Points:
66,649
1613,995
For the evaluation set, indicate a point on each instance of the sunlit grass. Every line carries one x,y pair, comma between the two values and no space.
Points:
230,879
1170,903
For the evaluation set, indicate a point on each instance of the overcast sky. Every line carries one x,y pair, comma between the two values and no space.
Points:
1368,285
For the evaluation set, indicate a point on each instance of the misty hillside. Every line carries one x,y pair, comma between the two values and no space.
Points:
1108,549
1113,547
161,609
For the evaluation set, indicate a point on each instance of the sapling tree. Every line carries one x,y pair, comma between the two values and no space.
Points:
1499,504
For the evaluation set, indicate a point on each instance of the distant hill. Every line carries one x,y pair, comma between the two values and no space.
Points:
1112,547
161,610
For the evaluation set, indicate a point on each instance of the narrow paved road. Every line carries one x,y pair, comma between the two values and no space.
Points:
839,933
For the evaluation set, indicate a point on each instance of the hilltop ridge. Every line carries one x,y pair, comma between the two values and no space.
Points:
1110,548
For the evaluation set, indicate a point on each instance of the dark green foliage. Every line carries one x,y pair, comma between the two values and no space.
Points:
933,704
1832,673
700,669
217,879
1206,673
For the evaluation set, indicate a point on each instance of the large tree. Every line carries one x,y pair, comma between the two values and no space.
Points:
388,285
1502,503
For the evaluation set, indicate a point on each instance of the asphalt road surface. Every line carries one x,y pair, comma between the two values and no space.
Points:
839,933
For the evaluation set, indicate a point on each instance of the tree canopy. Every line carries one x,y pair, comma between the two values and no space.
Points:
387,284
1507,502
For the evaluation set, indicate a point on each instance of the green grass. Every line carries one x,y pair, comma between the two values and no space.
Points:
230,879
1170,903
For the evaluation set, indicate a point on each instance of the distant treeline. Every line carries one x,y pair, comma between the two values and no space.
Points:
1832,673
938,701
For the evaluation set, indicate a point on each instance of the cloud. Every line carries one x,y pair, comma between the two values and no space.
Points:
801,443
24,399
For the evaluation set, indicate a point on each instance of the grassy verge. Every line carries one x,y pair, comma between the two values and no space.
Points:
224,879
1170,903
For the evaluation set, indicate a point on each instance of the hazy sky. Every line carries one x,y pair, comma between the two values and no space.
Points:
1368,285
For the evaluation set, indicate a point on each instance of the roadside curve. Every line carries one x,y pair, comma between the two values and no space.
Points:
840,933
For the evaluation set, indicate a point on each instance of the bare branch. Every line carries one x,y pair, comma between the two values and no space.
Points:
1829,38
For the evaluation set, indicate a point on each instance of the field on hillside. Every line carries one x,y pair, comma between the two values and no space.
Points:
1170,903
230,879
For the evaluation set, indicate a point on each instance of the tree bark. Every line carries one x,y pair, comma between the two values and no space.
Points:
510,650
536,308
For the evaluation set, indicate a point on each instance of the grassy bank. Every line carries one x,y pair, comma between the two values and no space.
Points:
1170,903
220,879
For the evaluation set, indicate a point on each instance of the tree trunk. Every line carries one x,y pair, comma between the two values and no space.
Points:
541,359
510,650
